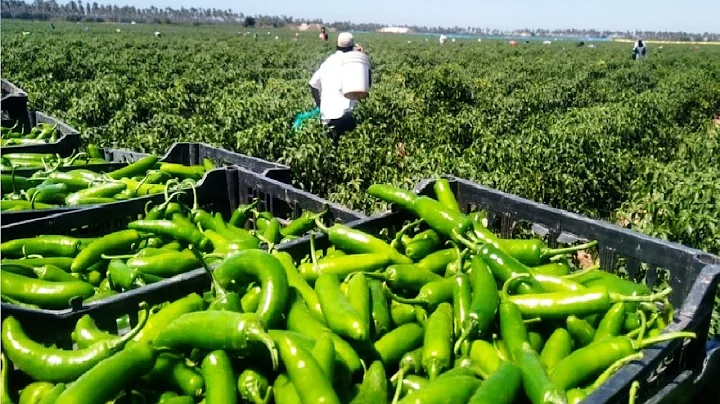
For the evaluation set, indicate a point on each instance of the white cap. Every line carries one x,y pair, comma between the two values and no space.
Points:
345,40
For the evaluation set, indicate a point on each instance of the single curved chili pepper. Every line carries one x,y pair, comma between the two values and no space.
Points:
401,238
165,265
19,269
537,342
139,167
358,242
512,329
306,375
343,266
582,332
591,360
553,283
484,304
48,193
284,392
204,219
457,389
391,194
33,393
51,246
374,386
57,365
179,229
632,322
422,245
87,333
53,274
114,243
462,295
612,323
485,356
272,231
554,268
52,395
4,386
407,276
158,321
438,261
445,194
504,267
46,294
182,171
60,262
254,387
104,381
430,295
538,386
557,348
12,182
106,190
16,205
382,321
301,286
576,395
75,179
401,313
534,252
214,330
302,224
358,295
596,277
558,305
394,345
449,223
171,371
122,277
219,379
339,314
265,268
501,387
241,215
411,362
437,341
324,354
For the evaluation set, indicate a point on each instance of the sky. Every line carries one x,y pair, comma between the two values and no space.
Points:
651,15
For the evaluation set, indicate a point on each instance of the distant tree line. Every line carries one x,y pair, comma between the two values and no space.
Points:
93,12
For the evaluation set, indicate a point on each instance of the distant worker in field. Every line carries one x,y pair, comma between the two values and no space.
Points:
336,110
323,34
639,50
443,39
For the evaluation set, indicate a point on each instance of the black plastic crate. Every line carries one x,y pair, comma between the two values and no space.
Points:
222,191
67,144
194,153
14,101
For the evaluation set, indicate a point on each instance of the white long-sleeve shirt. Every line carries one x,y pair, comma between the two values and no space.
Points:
328,79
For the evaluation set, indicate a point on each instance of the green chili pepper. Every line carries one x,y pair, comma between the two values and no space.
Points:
358,242
115,243
16,205
214,330
122,277
56,365
504,267
272,232
343,266
411,384
265,268
591,360
140,167
485,356
408,277
437,342
183,171
76,179
462,294
34,392
538,386
438,261
382,321
595,277
306,375
374,386
299,319
53,274
46,294
554,268
284,392
87,333
339,314
457,389
100,295
402,313
534,252
388,193
4,387
358,295
557,348
48,193
512,329
60,262
177,229
241,215
302,224
553,283
165,265
253,387
301,286
537,342
484,305
431,295
219,379
104,381
447,222
612,323
51,246
501,387
632,322
394,345
422,245
411,362
445,194
106,190
582,332
52,395
324,354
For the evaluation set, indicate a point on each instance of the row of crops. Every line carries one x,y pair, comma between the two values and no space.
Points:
587,130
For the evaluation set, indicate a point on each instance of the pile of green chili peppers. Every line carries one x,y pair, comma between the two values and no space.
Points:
48,271
42,133
443,311
49,188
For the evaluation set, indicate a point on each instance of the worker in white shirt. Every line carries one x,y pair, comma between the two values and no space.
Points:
336,111
639,50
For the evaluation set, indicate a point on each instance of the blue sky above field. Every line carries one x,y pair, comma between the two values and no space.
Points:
652,15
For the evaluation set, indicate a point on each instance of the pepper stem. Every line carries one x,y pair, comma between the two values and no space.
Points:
615,297
515,278
614,368
399,299
634,387
398,236
459,237
219,291
638,345
261,336
320,225
547,253
468,327
398,389
313,253
142,320
582,272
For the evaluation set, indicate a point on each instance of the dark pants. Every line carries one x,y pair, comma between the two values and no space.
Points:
338,127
